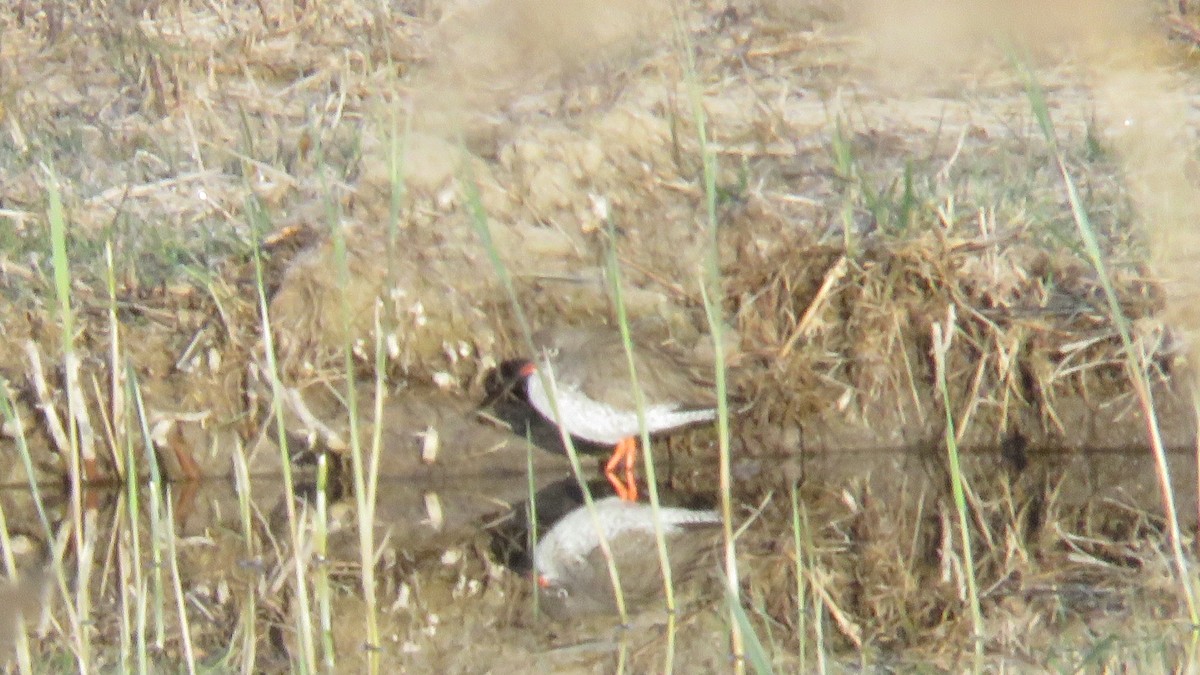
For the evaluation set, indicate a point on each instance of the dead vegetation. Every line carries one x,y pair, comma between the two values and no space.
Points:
853,210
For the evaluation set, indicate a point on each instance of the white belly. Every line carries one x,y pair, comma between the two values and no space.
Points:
575,535
583,417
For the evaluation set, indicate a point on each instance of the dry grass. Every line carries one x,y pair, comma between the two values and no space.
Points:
862,189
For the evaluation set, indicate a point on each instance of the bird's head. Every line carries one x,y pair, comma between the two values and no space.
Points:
526,368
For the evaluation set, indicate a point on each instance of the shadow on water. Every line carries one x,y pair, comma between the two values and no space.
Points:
453,552
1057,539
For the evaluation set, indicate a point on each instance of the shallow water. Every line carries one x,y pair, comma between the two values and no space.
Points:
452,558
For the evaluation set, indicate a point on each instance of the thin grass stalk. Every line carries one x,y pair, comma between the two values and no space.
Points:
801,588
760,608
121,448
107,576
320,542
364,494
398,152
307,648
672,629
85,551
1196,456
754,652
1191,651
725,477
550,382
125,571
397,157
248,621
711,285
62,288
185,631
843,166
14,421
85,547
818,607
531,518
60,540
639,398
154,494
9,411
133,533
1134,362
367,541
942,336
117,401
479,221
24,662
143,617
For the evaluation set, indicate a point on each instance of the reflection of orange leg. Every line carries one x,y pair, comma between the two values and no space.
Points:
92,476
631,470
91,498
90,468
624,453
611,473
188,468
185,501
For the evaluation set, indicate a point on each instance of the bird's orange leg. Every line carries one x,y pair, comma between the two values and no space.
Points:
631,469
610,470
624,453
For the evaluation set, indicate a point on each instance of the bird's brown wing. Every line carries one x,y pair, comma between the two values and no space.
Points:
639,567
663,375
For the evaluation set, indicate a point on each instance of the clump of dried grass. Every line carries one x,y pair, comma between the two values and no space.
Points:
889,578
852,332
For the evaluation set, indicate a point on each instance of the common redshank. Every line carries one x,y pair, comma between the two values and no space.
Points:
572,572
587,372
